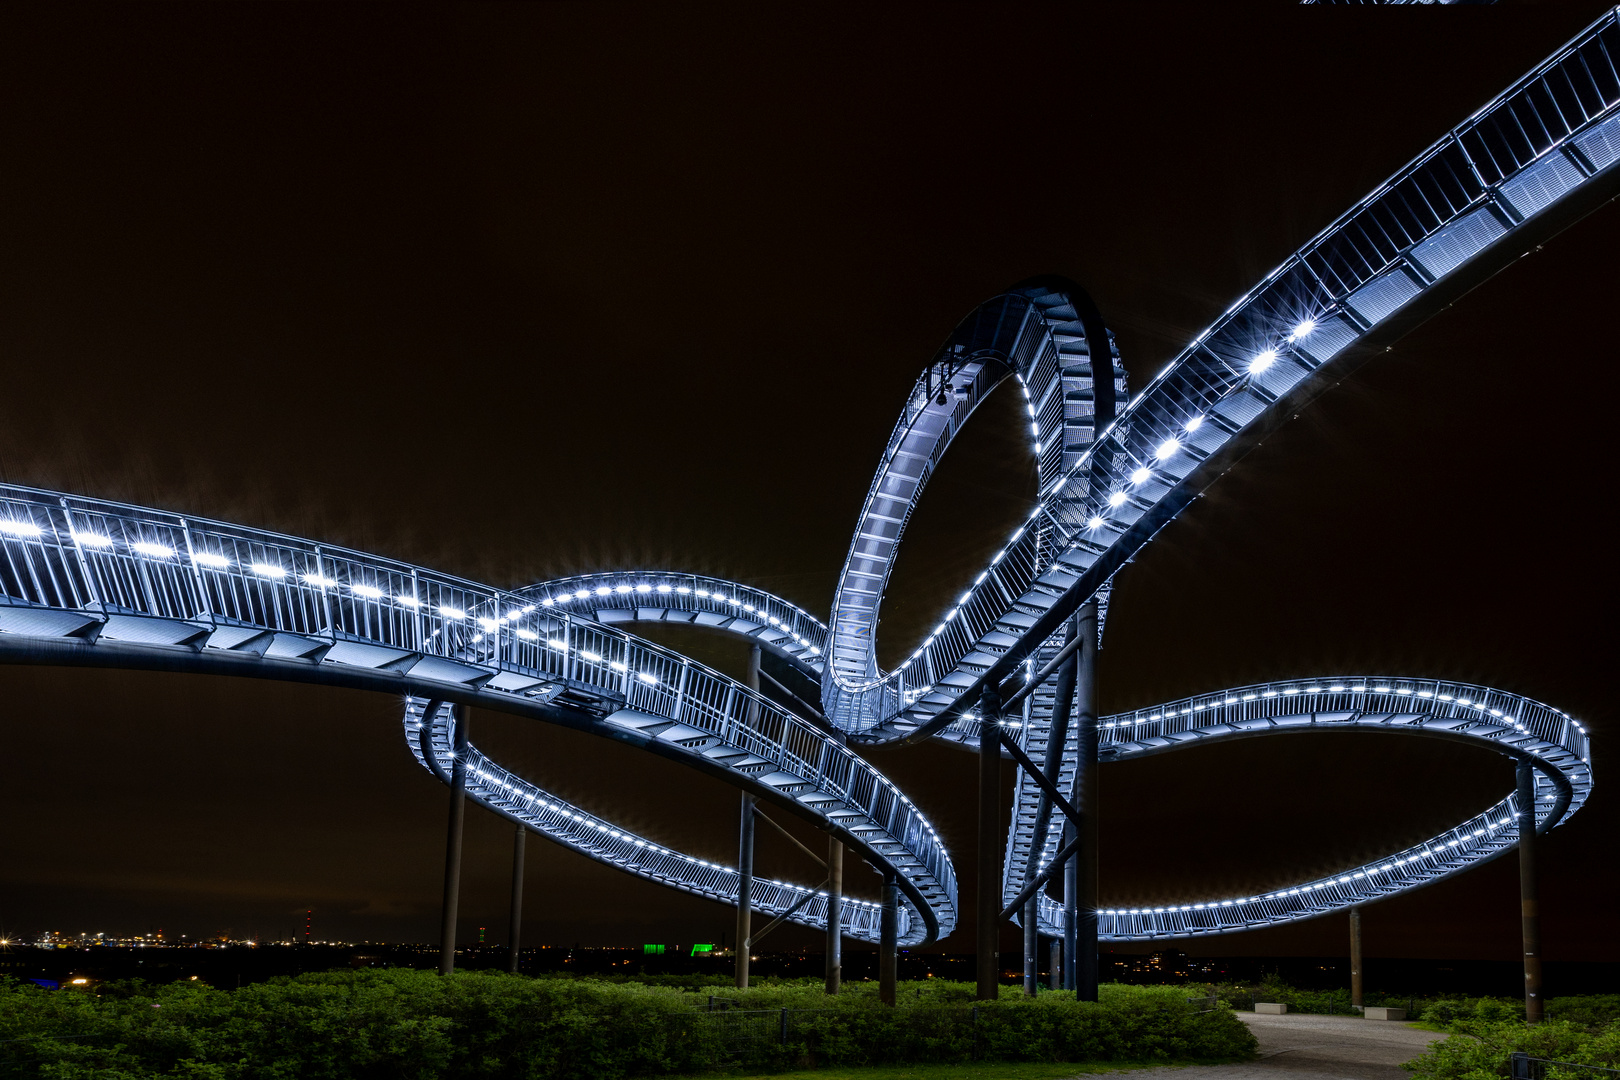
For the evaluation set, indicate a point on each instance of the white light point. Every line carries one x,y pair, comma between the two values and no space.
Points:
93,540
408,601
1095,522
1167,449
1194,424
452,613
1263,361
1117,499
366,592
20,528
269,570
1304,328
1141,476
151,550
320,581
211,560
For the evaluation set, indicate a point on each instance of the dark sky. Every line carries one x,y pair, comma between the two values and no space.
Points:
514,292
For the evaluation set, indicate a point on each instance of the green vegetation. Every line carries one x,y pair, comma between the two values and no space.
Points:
1437,1012
415,1025
1483,1055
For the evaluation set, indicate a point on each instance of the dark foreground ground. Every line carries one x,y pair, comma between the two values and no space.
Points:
1297,1047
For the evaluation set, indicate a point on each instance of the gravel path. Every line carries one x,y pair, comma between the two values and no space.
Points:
1297,1046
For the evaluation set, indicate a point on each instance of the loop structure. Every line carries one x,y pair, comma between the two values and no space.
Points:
89,582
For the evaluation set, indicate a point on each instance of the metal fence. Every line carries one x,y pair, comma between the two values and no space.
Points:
1522,1066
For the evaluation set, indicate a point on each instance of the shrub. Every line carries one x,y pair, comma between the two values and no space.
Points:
417,1025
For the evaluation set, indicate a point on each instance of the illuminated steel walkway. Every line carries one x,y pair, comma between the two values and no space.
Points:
89,582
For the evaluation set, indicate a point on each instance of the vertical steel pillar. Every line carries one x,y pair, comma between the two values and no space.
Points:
989,894
1085,801
745,849
745,887
1054,980
1071,917
1032,944
1355,956
514,933
452,844
1529,909
835,914
888,937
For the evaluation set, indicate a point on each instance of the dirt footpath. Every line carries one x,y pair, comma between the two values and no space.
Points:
1296,1046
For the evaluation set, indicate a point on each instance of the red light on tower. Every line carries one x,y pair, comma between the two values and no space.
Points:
308,916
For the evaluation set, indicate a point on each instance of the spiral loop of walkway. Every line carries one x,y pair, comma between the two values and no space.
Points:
95,583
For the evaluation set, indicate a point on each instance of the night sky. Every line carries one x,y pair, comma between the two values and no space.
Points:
516,292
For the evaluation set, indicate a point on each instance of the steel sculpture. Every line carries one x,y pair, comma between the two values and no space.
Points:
89,582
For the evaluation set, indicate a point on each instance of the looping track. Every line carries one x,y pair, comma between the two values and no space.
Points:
88,582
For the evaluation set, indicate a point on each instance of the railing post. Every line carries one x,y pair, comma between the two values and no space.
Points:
835,915
989,892
515,926
1529,909
452,846
1519,1065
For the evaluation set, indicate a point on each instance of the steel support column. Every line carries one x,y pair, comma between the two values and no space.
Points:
1085,801
1355,956
1054,979
989,898
1032,944
835,915
452,844
889,936
1529,909
745,887
745,851
1071,918
514,933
